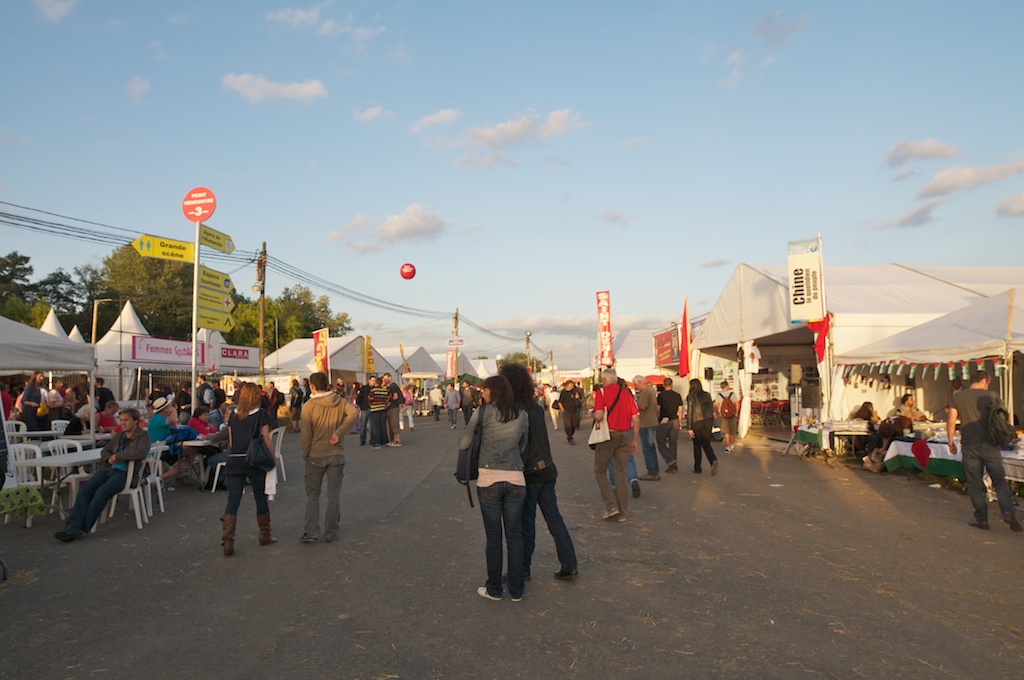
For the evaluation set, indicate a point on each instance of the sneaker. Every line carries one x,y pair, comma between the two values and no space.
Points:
375,446
611,514
978,525
331,538
650,478
728,449
482,592
518,599
636,488
68,535
453,427
309,538
1013,522
672,468
714,468
566,574
620,519
394,443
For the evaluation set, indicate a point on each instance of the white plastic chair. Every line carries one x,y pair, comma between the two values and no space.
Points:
12,426
151,476
276,436
216,476
59,426
26,476
135,492
72,479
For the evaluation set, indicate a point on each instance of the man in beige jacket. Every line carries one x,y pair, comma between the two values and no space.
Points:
326,418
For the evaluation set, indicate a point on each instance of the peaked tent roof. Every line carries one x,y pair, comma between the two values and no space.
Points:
879,300
25,348
466,366
346,354
126,325
76,335
419,359
987,328
51,326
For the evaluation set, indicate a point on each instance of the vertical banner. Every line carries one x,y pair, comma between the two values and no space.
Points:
604,329
806,293
368,346
449,364
321,353
684,340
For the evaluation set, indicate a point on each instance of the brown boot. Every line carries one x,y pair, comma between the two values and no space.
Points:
228,537
264,522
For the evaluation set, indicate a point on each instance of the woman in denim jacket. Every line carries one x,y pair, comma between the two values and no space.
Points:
501,486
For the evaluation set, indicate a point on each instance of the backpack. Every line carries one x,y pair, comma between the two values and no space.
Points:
174,437
1000,432
728,406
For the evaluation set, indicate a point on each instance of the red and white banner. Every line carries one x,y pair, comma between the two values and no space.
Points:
604,329
685,338
150,350
449,364
321,351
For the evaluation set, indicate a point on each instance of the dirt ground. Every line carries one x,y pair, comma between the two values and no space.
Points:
778,567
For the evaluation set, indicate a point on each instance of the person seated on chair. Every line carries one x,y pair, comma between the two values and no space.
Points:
131,443
875,460
867,413
200,422
106,420
908,409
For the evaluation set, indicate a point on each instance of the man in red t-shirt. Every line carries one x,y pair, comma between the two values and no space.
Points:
615,409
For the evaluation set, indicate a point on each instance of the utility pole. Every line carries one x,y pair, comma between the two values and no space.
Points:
261,283
528,366
455,380
551,365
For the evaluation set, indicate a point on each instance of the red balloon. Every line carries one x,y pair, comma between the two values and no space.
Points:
408,271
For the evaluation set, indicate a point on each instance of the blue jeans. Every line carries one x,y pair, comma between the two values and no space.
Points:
650,449
630,469
544,495
236,484
332,467
364,424
501,505
979,458
453,413
378,428
93,498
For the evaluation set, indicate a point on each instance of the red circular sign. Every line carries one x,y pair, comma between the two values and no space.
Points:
408,271
199,204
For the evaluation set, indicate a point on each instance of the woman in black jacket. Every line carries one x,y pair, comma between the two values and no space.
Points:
541,475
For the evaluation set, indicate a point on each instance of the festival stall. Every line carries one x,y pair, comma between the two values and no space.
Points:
346,357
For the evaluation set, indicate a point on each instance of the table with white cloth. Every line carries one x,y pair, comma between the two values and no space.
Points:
27,435
63,461
939,461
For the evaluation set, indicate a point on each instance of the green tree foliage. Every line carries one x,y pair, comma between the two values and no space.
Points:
14,273
160,290
535,364
295,314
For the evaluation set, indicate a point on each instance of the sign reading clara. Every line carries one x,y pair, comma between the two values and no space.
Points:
806,295
199,204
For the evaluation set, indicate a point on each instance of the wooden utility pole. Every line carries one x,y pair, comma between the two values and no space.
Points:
261,282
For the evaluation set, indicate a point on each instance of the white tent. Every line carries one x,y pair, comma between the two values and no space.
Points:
76,335
51,326
633,351
420,363
466,366
346,359
866,303
23,348
485,368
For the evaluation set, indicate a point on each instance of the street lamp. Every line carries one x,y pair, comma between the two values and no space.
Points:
528,367
95,307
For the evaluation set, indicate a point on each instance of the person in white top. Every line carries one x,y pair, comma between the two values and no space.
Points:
553,395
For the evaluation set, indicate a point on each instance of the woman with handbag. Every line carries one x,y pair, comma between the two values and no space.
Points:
245,424
32,412
501,485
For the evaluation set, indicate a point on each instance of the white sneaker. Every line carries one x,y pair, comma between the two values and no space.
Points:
482,592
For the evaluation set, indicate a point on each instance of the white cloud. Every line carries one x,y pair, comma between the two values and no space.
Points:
903,174
357,223
912,218
526,127
257,88
616,218
1011,206
372,114
137,87
334,236
735,62
955,178
473,160
441,117
711,264
911,150
296,16
360,34
414,225
776,32
54,10
635,142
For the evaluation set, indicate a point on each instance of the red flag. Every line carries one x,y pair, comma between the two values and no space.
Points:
685,340
820,329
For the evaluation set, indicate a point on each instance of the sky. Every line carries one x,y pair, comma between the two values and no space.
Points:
522,157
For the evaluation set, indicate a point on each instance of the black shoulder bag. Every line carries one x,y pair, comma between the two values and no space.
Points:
468,467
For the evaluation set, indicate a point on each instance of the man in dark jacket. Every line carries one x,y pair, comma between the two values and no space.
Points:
570,403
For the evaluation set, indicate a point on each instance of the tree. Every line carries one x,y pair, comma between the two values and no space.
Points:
160,290
14,273
297,314
535,364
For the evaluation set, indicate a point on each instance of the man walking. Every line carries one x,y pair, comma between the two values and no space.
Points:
670,414
378,415
647,404
972,406
728,407
363,402
570,403
451,402
615,409
436,400
131,443
467,401
395,401
326,418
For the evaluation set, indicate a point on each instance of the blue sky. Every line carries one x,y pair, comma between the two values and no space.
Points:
522,156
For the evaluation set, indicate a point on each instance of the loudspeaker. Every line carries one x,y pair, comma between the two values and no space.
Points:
709,373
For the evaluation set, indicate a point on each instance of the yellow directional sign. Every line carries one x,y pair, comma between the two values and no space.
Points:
215,239
214,319
214,300
215,280
164,248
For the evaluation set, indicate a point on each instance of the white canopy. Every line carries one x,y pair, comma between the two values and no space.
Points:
466,366
991,327
24,348
346,354
76,335
420,362
51,326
